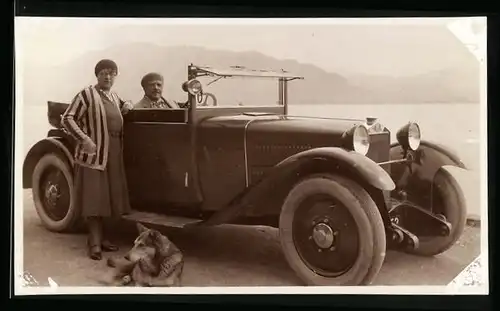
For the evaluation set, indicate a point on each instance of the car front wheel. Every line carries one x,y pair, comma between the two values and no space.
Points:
53,194
331,232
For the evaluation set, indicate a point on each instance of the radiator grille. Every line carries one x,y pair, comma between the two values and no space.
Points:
379,151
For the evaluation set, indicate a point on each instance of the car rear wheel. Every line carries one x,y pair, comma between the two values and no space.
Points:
449,201
331,232
53,193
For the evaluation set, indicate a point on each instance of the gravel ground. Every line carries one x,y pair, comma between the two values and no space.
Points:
222,256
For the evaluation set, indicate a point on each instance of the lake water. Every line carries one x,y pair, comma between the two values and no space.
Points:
456,126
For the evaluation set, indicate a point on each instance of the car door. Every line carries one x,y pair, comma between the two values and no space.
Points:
157,157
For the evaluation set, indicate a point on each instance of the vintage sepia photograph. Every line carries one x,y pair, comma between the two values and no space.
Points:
204,155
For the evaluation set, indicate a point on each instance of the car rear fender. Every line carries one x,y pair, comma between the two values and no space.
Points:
265,197
56,145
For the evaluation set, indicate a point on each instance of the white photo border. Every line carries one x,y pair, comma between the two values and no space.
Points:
481,289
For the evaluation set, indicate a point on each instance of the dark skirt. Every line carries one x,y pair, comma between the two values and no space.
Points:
103,193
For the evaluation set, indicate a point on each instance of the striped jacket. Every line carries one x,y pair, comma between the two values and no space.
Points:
86,117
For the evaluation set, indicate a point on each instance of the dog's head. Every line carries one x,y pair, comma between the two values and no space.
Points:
147,243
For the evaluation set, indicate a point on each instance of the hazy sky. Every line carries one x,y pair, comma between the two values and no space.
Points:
57,40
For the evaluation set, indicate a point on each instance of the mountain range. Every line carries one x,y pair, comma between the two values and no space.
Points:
455,82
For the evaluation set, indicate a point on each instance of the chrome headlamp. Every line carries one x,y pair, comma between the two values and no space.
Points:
409,136
357,139
193,87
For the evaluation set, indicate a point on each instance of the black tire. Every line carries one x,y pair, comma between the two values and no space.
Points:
448,200
68,218
365,218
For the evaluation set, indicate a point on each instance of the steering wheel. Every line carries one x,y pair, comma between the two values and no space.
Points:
206,95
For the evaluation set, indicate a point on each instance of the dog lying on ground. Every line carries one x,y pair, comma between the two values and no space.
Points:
153,261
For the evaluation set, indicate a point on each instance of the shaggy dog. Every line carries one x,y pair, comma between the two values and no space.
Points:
153,261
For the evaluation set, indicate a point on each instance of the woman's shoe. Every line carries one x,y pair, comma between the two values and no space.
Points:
94,239
95,252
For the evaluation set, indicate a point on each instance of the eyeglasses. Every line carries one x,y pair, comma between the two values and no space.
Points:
104,73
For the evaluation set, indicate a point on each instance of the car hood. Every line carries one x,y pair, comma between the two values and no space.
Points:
267,124
265,140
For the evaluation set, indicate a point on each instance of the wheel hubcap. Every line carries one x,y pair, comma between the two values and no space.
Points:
55,191
52,194
323,235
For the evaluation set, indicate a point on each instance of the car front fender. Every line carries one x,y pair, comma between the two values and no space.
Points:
48,145
418,184
432,157
341,159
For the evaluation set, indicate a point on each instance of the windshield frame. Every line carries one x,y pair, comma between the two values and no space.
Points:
283,77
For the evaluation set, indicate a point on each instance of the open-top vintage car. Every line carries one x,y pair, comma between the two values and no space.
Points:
338,190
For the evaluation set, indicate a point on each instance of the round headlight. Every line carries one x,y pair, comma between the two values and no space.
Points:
409,136
361,140
414,136
193,87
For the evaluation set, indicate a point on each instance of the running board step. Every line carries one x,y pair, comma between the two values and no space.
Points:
161,220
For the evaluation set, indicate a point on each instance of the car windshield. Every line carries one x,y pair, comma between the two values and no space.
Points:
235,89
237,92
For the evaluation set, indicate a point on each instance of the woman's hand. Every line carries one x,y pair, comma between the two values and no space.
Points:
89,146
126,107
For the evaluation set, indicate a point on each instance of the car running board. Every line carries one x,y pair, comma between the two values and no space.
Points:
161,220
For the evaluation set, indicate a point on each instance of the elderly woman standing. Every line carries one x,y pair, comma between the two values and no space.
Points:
94,118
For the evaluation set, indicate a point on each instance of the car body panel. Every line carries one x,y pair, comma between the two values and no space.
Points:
157,158
247,146
233,150
269,141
